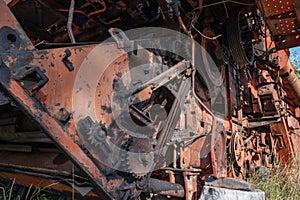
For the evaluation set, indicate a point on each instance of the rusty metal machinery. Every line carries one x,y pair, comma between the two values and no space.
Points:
145,99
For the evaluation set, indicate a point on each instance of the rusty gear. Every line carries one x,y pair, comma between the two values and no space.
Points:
140,157
237,152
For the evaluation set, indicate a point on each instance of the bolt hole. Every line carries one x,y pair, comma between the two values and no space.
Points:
11,38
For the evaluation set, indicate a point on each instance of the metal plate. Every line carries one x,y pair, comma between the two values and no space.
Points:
281,19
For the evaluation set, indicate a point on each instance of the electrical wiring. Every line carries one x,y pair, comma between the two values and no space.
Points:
209,38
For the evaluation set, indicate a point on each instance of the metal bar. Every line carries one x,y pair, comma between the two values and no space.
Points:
70,21
172,119
164,188
166,76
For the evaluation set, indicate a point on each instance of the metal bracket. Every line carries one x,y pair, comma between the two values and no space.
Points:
32,80
67,62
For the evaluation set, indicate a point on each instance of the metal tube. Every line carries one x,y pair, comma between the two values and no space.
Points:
291,83
164,188
70,21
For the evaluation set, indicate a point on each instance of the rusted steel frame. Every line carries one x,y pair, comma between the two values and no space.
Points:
268,7
289,14
290,81
282,13
286,129
292,40
294,133
213,123
212,146
191,185
38,113
213,162
280,132
56,133
219,151
9,20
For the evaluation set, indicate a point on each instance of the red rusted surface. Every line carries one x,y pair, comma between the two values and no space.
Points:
57,134
10,21
191,185
281,18
260,122
42,117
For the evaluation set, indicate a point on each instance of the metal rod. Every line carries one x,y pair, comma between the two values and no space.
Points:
165,76
70,21
164,188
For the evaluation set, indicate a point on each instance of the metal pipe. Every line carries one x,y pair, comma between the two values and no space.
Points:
100,10
182,25
70,21
291,83
164,188
287,72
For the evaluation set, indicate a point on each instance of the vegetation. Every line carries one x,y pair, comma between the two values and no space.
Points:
295,58
282,183
10,191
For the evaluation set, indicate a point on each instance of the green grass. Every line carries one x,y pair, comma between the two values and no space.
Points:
282,183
